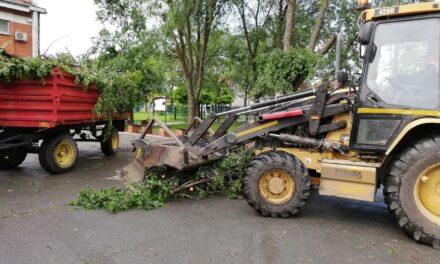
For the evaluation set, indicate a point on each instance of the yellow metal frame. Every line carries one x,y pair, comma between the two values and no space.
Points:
408,128
392,111
258,128
422,121
405,10
311,158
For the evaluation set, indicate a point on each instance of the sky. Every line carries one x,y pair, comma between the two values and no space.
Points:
68,24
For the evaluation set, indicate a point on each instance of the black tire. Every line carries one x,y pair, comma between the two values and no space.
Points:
401,183
47,154
276,160
107,146
12,158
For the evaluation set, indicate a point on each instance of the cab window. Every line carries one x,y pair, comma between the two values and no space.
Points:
405,66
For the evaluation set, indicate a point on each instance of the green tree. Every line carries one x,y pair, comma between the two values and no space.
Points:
278,70
180,95
254,17
189,25
186,26
303,45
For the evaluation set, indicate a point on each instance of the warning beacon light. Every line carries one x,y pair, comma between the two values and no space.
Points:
363,4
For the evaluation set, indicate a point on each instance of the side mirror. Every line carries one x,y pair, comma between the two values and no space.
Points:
366,33
356,80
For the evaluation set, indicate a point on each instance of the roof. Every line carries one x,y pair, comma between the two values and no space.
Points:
22,5
20,2
402,10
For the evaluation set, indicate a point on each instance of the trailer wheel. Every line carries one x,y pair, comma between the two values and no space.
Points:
59,154
276,184
412,190
110,146
12,158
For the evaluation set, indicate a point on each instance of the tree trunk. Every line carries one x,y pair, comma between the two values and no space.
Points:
318,24
193,108
290,24
131,116
278,36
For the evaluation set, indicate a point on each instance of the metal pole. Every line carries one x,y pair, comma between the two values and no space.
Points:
166,110
338,53
283,99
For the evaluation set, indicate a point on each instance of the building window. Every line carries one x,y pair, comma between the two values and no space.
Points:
4,27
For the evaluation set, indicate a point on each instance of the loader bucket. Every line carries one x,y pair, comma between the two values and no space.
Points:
169,151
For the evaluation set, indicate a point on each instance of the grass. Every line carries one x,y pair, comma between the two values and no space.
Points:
139,116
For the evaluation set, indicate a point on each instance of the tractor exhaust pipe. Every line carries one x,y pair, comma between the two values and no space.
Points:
339,38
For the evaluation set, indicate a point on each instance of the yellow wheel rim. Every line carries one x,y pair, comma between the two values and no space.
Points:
427,193
276,186
115,140
65,154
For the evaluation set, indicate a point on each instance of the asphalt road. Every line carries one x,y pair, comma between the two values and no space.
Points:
37,225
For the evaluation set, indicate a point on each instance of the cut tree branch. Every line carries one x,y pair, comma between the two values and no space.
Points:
318,24
189,185
328,45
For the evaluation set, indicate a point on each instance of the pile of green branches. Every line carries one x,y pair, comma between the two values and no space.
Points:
161,185
119,91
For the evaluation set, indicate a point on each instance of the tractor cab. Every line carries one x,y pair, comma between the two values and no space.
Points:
401,77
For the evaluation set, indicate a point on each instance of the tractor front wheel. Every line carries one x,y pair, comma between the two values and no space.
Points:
276,184
412,190
59,154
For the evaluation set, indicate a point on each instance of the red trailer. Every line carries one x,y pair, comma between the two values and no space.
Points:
48,117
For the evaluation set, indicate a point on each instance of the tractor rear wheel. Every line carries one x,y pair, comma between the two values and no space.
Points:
59,154
12,158
276,184
412,190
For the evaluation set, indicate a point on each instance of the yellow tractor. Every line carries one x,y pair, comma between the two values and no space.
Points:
381,129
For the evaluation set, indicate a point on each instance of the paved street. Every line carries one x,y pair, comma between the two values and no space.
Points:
37,225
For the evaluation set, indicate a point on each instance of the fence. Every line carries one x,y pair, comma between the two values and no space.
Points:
178,114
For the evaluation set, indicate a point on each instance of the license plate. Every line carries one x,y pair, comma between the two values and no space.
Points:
386,11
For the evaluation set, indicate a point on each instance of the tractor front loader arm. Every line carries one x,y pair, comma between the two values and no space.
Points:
200,146
250,131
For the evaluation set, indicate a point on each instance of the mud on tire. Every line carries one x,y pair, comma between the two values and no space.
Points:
276,160
401,197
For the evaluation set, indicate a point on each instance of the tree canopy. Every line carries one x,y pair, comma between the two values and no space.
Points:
203,50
